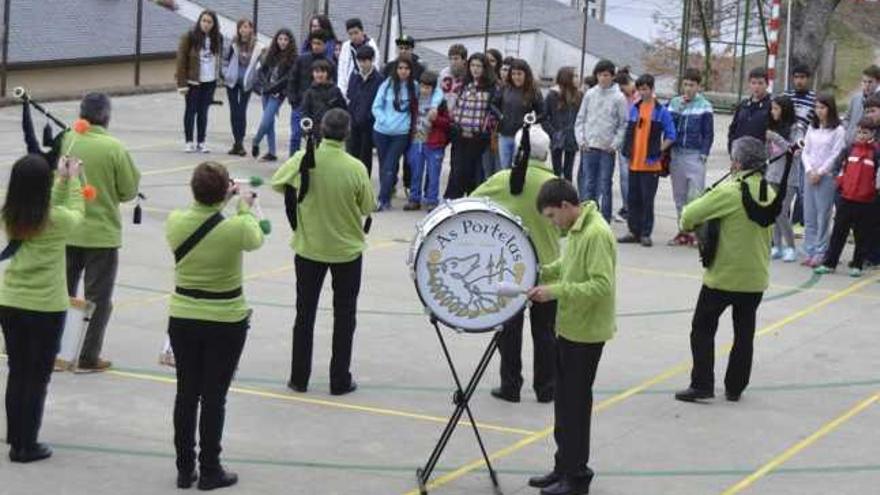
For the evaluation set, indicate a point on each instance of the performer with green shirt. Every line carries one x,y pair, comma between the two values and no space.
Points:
517,191
209,317
93,249
737,277
582,282
38,219
330,197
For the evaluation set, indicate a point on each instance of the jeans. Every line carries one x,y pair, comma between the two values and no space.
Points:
198,101
623,172
346,287
390,149
563,163
688,175
642,191
296,133
783,232
594,179
506,150
271,105
206,354
426,163
818,200
576,366
710,305
543,318
238,105
490,165
98,267
360,146
33,338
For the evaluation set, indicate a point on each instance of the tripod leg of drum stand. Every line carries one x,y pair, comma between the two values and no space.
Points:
461,399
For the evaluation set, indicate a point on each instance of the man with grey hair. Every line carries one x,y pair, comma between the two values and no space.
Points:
93,250
517,190
737,277
331,198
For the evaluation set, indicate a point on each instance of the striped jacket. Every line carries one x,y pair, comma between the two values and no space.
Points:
694,124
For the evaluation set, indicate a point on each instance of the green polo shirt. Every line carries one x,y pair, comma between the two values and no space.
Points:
36,277
743,257
109,168
583,280
214,264
543,233
330,218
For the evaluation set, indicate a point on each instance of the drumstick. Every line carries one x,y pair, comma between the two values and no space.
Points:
509,289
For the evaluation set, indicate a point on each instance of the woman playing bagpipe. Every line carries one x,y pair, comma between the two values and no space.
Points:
40,213
209,316
517,190
327,193
734,231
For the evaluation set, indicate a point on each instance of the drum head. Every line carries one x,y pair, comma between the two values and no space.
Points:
463,251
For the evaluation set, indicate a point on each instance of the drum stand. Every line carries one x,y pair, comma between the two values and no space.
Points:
460,398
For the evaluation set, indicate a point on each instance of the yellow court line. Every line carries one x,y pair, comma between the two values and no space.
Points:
803,444
327,403
182,168
661,377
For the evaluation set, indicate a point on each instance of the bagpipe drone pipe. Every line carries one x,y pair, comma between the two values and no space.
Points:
709,233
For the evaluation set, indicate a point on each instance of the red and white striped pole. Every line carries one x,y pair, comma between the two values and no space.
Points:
773,49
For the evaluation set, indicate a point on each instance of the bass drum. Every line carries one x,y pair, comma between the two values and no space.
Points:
462,251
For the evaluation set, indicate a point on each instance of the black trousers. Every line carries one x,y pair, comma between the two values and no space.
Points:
360,146
206,354
467,160
542,317
238,105
198,101
99,265
640,207
576,365
855,216
346,287
563,162
33,338
710,306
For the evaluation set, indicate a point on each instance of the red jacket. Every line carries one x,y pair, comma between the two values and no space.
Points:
439,135
856,179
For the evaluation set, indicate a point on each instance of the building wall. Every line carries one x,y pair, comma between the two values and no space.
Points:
83,78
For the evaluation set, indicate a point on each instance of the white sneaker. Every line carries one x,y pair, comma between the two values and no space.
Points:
775,253
202,148
789,255
189,148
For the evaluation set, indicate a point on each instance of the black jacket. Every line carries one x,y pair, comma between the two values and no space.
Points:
361,94
273,80
301,77
513,108
558,122
320,98
750,118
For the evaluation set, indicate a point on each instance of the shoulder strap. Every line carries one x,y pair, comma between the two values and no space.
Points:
197,236
10,249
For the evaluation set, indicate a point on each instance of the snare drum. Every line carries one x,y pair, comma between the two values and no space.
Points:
462,250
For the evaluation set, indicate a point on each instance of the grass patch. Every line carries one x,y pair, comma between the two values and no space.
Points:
854,52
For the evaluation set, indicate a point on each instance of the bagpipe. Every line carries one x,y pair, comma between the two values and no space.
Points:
292,196
709,233
521,163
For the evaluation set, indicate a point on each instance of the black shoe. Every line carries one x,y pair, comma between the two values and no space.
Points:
646,242
545,397
732,397
568,486
186,480
37,452
628,239
500,393
269,157
546,480
297,388
255,150
220,479
234,149
693,395
347,390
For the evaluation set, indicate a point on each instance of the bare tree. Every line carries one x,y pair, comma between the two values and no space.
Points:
810,25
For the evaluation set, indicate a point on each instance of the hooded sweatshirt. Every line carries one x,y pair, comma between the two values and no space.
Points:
601,121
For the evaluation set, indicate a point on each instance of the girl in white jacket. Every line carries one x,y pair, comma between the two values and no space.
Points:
239,68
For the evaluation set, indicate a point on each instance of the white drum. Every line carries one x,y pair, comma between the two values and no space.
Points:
463,251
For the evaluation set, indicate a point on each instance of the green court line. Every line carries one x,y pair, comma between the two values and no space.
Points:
811,470
782,387
813,280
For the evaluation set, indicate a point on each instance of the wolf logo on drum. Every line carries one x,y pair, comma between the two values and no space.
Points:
467,286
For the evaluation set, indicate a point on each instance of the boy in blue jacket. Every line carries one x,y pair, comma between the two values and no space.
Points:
361,92
694,132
